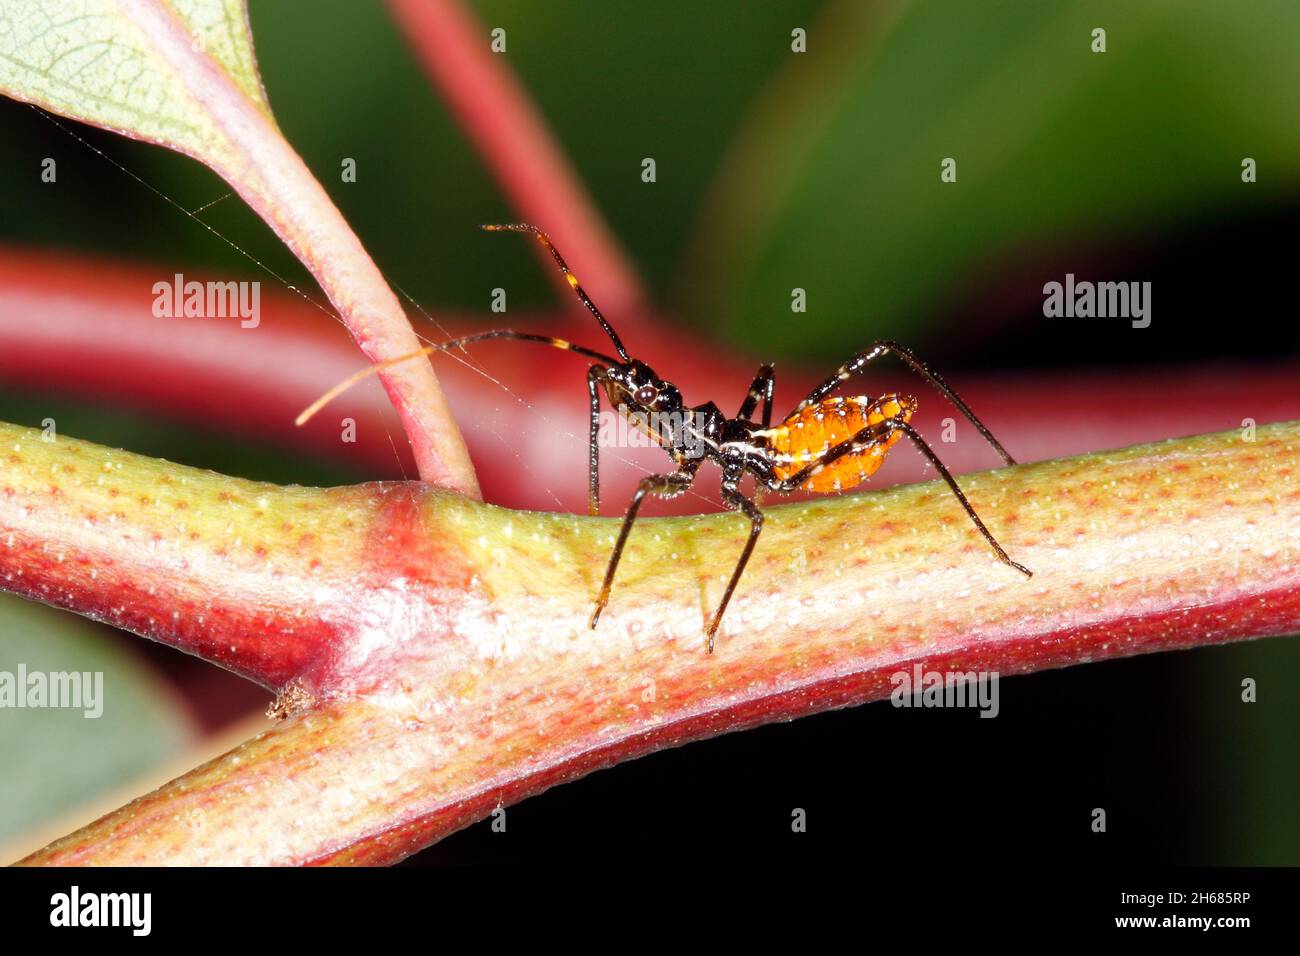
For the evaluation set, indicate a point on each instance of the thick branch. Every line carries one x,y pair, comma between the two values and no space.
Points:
439,646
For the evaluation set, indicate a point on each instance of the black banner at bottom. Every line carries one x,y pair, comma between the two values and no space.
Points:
211,906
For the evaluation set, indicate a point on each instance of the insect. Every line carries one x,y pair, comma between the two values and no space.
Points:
828,443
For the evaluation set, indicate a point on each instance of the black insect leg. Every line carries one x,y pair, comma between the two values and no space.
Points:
595,376
862,359
665,486
875,435
764,383
939,466
732,497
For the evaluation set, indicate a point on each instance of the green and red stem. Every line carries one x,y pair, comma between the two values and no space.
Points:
434,650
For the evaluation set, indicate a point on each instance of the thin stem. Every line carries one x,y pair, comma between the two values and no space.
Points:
96,340
235,135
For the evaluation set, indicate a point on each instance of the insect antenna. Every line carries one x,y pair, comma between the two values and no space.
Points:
310,411
545,240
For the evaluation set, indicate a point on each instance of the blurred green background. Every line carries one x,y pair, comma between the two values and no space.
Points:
778,170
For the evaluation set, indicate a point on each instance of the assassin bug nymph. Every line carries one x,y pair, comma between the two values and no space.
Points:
828,443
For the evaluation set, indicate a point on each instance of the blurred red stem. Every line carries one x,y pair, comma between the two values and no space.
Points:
509,133
82,328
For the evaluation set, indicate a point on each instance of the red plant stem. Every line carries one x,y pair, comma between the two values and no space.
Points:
505,127
81,327
272,178
1257,615
442,663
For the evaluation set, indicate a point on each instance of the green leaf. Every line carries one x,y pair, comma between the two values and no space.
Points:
58,758
221,27
181,73
834,185
99,61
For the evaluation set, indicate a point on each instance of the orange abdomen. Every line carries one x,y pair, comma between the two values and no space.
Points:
806,435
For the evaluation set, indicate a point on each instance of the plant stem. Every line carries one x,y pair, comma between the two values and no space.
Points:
513,139
439,656
273,179
235,135
78,327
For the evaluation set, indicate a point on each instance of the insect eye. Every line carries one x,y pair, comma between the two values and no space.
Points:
646,394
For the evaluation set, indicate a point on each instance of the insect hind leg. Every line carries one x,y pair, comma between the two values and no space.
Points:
944,473
873,436
884,347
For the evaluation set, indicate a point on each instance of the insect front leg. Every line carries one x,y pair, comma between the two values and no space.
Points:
884,347
764,383
665,486
732,497
595,377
